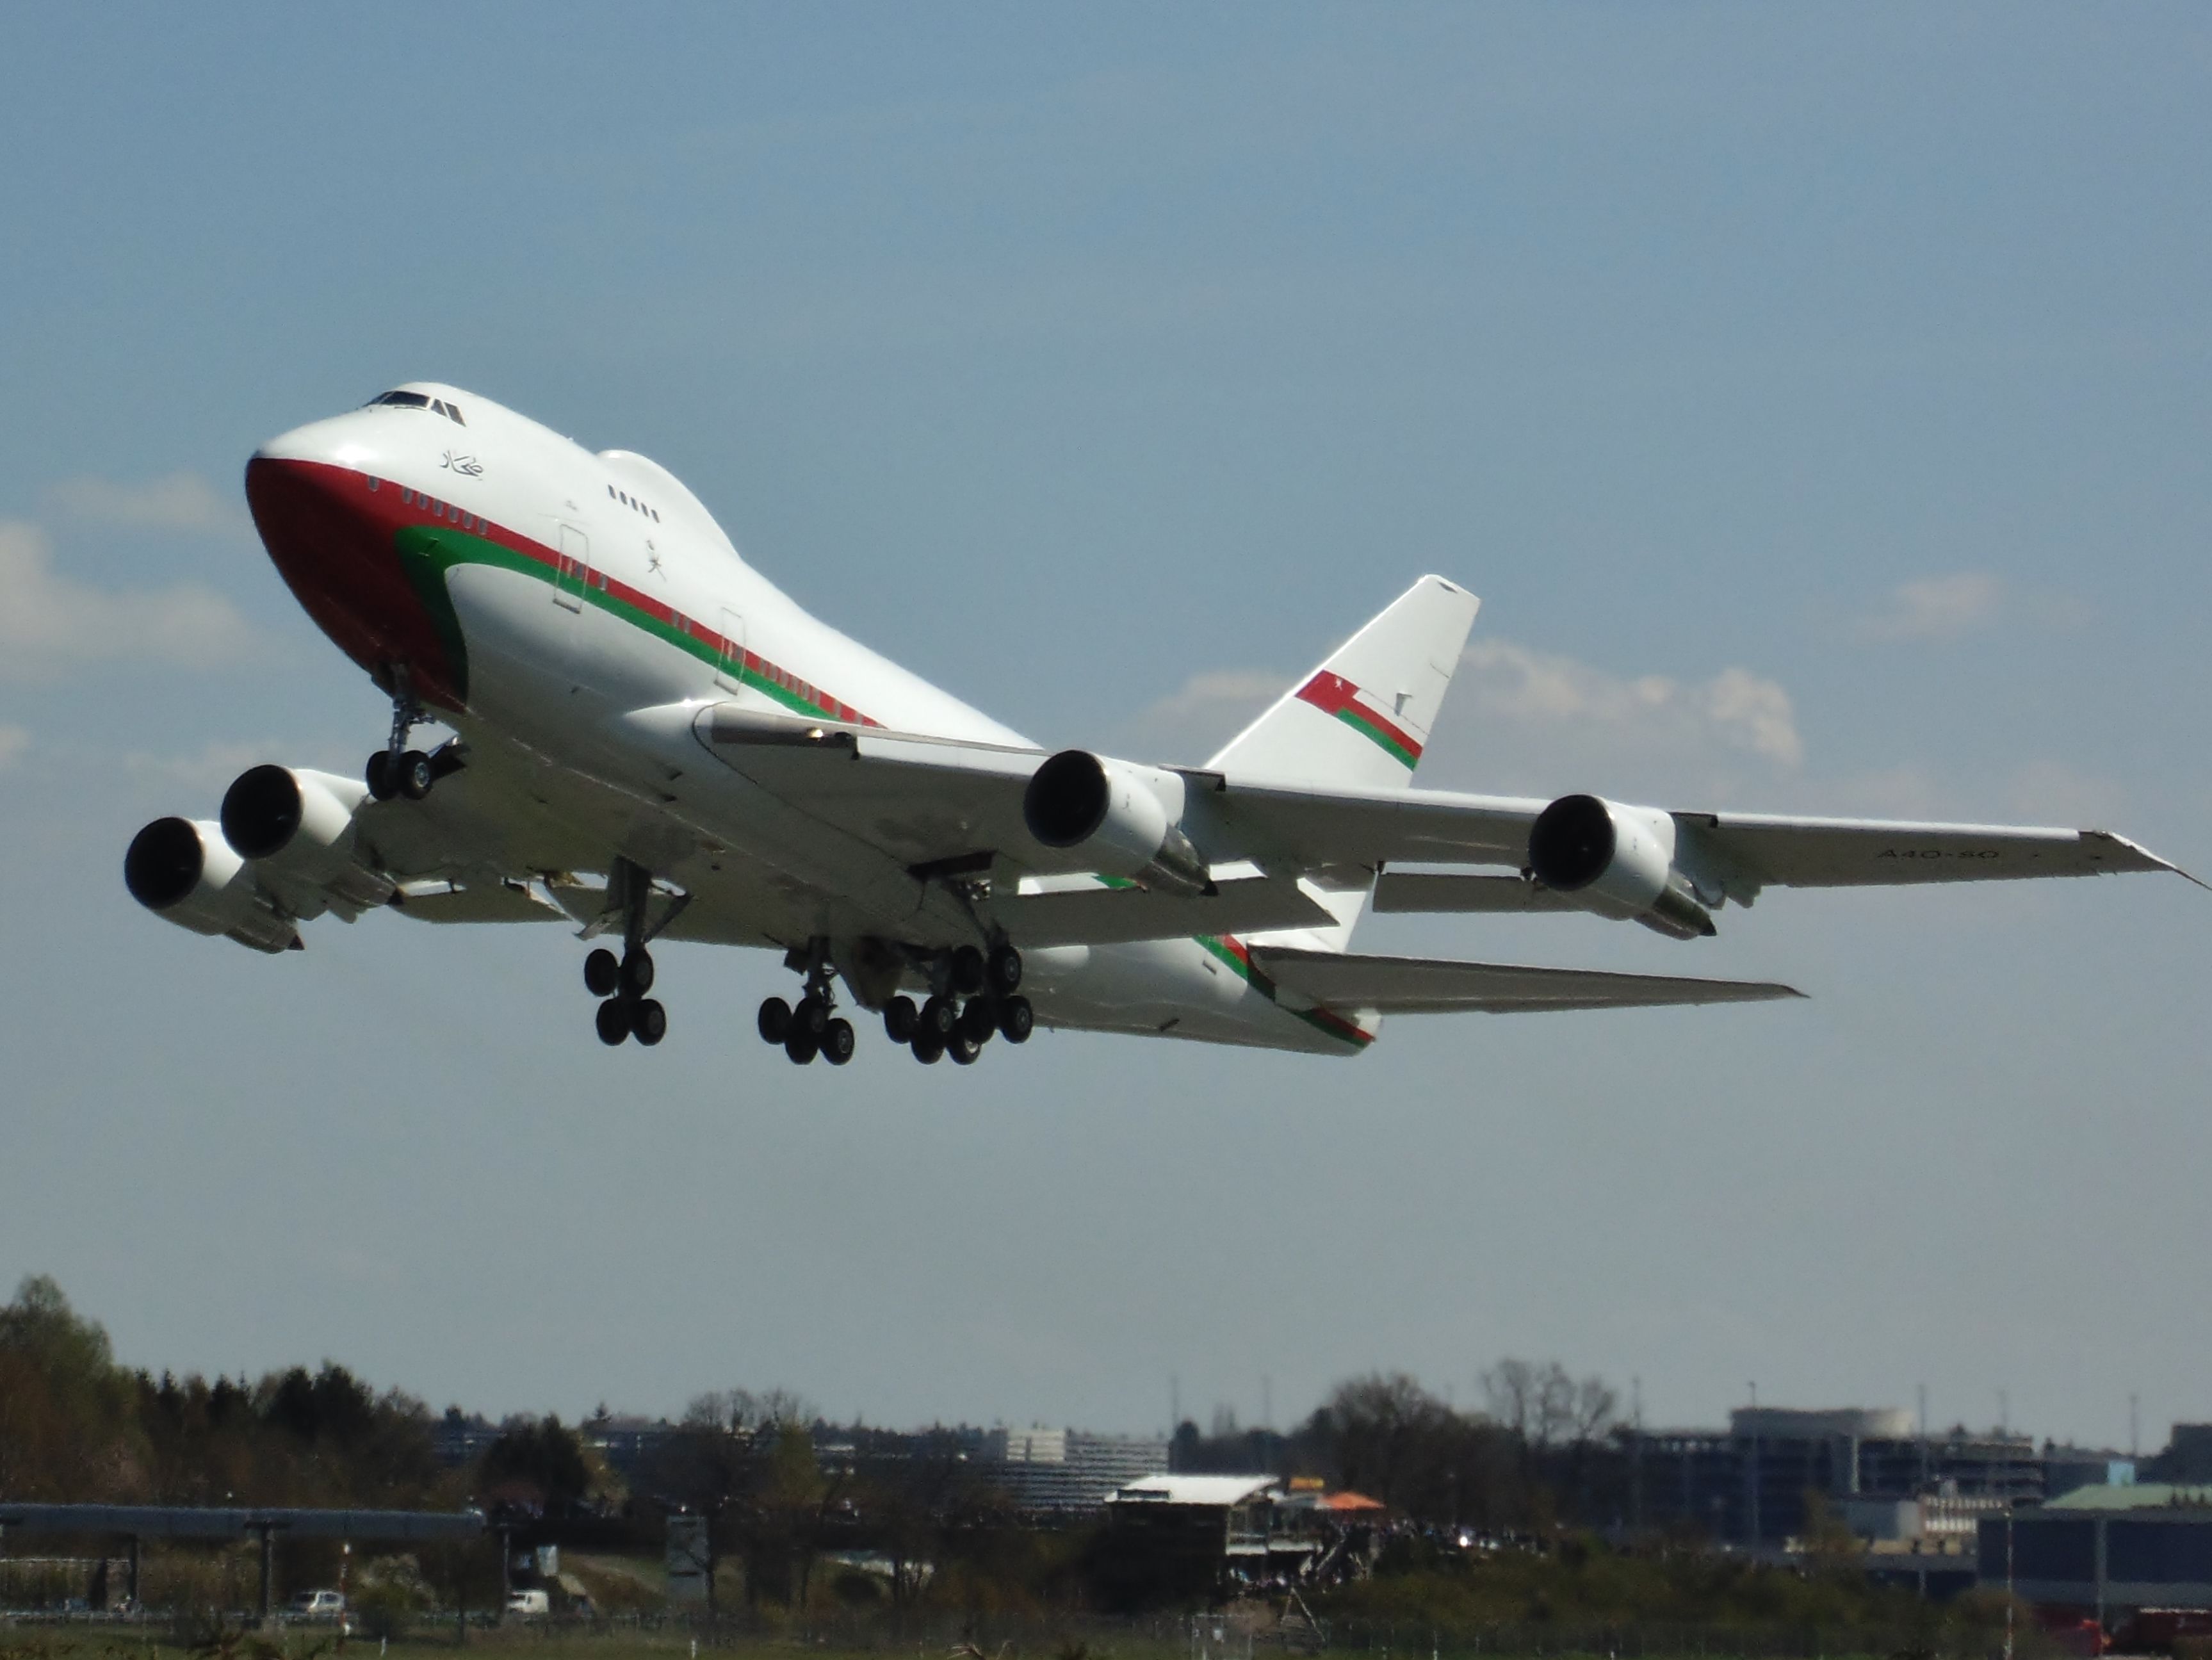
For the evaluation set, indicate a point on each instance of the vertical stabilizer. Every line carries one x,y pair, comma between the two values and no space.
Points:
1360,720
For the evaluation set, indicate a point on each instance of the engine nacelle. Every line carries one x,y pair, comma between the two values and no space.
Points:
184,873
1124,818
1617,861
298,827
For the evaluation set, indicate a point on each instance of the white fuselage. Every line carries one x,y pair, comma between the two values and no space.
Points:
596,606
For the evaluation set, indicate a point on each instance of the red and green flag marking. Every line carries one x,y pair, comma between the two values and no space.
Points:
1332,694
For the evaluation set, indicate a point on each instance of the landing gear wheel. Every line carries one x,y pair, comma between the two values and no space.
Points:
637,972
415,777
602,974
837,1041
800,1045
978,1022
812,1017
648,1021
939,1018
613,1021
967,970
774,1020
378,773
928,1048
901,1019
1002,971
963,1049
1017,1020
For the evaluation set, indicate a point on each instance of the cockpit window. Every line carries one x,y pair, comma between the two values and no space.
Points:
416,400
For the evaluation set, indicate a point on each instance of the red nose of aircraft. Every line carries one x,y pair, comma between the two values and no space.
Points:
331,525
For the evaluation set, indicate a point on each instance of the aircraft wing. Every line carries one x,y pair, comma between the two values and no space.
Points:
1754,850
1836,853
1416,985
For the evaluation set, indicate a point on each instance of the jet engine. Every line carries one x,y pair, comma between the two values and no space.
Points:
1617,861
186,874
299,828
1118,815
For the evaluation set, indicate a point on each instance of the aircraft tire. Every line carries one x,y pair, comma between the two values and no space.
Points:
800,1045
928,1048
963,1049
637,972
378,775
1002,971
978,1022
967,970
1017,1019
602,974
939,1018
613,1021
837,1041
813,1017
774,1020
648,1021
415,775
901,1019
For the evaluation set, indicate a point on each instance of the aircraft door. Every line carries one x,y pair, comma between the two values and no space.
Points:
730,654
575,563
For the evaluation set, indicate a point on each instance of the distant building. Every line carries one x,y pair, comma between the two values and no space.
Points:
1192,1536
2105,1553
1064,1469
1749,1484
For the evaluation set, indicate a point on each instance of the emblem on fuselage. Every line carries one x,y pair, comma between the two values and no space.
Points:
467,463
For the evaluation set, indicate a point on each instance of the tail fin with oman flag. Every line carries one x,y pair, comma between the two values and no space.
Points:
1360,722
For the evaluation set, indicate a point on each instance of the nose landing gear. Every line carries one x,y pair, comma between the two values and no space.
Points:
395,769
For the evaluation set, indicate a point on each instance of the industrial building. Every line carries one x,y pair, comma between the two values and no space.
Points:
1748,1484
2107,1554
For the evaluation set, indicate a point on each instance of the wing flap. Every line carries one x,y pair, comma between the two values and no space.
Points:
1415,985
1113,916
1425,891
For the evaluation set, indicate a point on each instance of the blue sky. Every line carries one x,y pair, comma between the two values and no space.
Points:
1818,398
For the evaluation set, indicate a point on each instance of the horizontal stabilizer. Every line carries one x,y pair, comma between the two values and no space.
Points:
1414,985
1429,890
1114,916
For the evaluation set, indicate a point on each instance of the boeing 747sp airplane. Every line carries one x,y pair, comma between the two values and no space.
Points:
652,741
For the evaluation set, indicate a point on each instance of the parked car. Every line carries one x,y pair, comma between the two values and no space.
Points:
528,1605
316,1605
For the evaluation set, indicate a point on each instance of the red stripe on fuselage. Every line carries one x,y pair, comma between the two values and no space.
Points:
331,536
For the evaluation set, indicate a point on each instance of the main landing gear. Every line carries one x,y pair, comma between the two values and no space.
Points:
945,1025
395,769
975,1001
623,981
813,1027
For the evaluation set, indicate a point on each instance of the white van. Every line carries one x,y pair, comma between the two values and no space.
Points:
528,1605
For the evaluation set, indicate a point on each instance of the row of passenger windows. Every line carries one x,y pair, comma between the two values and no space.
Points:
445,510
629,501
416,400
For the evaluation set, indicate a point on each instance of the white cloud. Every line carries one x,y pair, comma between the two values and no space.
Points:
1513,700
1936,608
1207,710
1521,718
51,623
13,740
180,501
